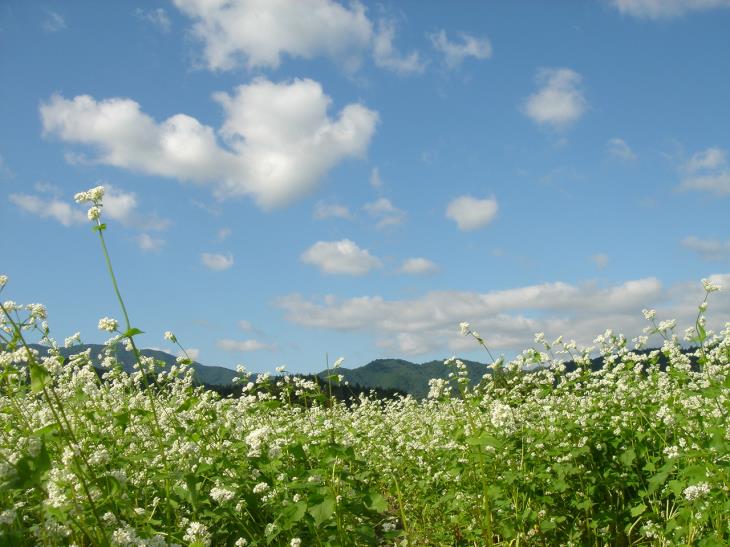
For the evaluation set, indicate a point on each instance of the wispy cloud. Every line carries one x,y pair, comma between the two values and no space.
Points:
417,266
708,249
385,212
456,52
241,346
156,17
666,9
618,148
331,210
707,171
217,262
53,22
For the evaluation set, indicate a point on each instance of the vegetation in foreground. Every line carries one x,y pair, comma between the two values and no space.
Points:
636,453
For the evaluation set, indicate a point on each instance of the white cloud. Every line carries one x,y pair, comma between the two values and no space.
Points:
223,234
157,17
218,262
417,266
280,140
718,183
257,33
600,260
241,346
49,207
331,210
455,52
559,102
192,353
507,318
664,9
340,257
245,326
53,22
707,171
471,213
148,243
708,249
619,149
375,180
709,159
386,213
386,56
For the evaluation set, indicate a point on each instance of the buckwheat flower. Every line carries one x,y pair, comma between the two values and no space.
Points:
260,488
464,327
281,369
8,516
539,337
96,193
649,314
241,542
339,362
3,280
709,286
71,340
170,337
667,325
221,495
94,213
81,197
696,491
197,533
295,542
108,324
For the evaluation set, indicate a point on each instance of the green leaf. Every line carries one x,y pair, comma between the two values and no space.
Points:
637,510
322,511
628,457
39,378
132,332
375,502
99,227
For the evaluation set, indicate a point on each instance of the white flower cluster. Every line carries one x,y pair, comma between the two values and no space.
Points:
696,491
108,324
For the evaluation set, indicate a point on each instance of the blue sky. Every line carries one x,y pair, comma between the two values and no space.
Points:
288,179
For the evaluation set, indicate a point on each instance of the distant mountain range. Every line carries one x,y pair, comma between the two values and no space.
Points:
405,376
397,375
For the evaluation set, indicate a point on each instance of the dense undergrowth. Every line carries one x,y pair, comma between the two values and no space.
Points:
632,454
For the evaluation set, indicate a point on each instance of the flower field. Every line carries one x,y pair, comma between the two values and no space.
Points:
539,453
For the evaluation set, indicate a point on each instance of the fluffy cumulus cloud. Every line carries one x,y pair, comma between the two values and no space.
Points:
707,171
619,149
471,213
417,266
559,102
241,346
708,249
258,33
216,261
340,257
455,52
277,139
385,212
664,9
507,319
385,55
